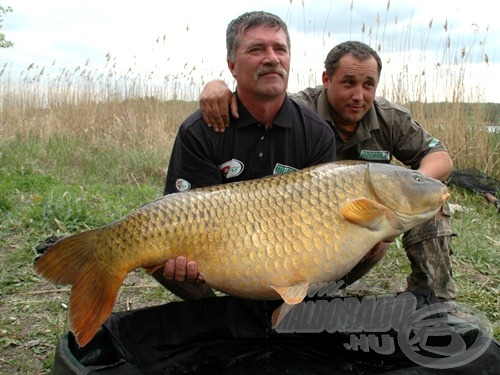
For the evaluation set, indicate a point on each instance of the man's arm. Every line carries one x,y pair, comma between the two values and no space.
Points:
214,102
414,146
437,165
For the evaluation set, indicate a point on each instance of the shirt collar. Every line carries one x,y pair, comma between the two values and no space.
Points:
283,119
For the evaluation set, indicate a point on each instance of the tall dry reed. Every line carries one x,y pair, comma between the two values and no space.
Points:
137,109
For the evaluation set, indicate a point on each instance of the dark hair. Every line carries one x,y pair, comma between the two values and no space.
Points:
359,50
245,22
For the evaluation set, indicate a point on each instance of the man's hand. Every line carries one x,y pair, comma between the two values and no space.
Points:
181,278
180,270
215,99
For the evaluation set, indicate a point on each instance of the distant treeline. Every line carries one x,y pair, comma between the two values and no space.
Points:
486,113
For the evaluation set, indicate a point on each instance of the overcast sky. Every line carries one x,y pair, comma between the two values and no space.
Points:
189,37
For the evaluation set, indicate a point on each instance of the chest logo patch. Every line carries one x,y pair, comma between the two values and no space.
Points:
231,168
374,155
182,185
280,168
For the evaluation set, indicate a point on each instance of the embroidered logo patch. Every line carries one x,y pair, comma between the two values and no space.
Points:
232,168
434,142
375,155
280,168
182,185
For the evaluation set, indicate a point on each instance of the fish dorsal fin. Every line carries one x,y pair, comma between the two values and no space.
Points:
369,214
293,294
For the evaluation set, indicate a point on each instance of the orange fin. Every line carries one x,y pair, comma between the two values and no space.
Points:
91,303
292,294
280,313
94,289
369,214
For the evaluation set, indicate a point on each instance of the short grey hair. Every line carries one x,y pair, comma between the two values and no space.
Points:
247,21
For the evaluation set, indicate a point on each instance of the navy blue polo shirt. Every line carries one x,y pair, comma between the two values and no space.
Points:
297,138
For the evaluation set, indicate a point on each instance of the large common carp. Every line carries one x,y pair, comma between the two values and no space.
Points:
268,238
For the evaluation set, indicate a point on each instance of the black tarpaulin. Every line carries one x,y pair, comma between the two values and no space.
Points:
226,335
476,181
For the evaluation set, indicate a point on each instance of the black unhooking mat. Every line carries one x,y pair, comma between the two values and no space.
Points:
226,335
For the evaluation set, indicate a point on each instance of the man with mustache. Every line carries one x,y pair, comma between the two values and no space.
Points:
272,135
373,129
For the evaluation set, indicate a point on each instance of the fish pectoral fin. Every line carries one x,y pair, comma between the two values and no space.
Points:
292,294
369,214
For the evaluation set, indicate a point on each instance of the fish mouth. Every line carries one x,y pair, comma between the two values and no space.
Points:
444,197
442,200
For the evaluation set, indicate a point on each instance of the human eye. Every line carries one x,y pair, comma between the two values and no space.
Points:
283,49
255,49
369,84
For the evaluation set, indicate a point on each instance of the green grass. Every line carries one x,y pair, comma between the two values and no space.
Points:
48,189
477,255
55,187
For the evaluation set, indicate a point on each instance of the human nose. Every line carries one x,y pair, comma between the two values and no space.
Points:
271,57
357,92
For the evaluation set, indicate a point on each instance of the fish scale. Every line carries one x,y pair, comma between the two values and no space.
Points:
268,238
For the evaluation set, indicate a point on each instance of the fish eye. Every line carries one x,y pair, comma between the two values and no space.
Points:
417,177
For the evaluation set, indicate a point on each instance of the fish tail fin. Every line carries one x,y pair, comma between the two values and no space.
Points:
91,303
71,260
